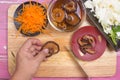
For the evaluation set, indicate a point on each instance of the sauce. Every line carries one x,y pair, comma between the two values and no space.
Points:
68,14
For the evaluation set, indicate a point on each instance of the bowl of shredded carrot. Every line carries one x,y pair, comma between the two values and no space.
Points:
30,18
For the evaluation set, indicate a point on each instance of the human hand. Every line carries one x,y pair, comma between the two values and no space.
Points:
28,59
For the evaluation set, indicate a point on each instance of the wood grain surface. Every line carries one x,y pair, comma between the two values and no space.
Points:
61,64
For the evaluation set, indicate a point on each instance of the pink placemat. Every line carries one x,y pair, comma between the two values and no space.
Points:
4,5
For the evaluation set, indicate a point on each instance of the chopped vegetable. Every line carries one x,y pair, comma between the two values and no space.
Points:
114,35
32,18
108,14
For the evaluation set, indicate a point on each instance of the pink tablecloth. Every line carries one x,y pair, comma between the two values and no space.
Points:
3,43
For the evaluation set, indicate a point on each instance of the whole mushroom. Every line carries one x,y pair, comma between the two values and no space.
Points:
72,19
71,6
58,15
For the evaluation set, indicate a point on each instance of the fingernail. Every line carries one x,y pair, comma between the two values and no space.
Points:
46,50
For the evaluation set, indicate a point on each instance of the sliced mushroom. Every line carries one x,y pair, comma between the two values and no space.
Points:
72,19
90,39
58,15
62,26
52,46
87,44
82,42
90,51
71,6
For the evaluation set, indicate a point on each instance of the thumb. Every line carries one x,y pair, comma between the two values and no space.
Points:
42,55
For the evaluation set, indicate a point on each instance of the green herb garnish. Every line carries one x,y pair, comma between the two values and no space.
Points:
113,34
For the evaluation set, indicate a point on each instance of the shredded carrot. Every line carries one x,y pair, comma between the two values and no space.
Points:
32,19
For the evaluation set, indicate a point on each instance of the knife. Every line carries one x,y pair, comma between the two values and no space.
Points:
76,60
13,55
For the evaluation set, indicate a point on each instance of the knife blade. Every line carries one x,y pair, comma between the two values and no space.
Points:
78,63
13,55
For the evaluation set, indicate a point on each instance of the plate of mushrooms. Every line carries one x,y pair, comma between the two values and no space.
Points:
88,44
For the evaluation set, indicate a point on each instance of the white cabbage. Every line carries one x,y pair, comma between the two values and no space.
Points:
107,12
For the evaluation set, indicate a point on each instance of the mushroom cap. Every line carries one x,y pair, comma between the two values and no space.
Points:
58,15
72,19
71,6
52,46
87,44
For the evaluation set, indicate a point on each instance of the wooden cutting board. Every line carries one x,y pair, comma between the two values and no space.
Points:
61,64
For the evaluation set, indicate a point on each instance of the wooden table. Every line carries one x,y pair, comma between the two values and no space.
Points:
61,64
